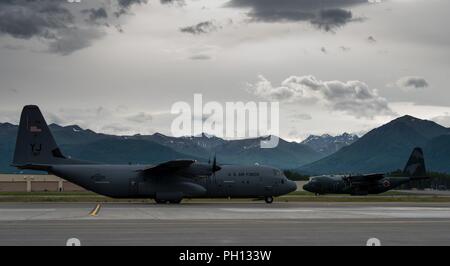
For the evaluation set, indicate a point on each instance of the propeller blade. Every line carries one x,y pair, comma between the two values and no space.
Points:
215,167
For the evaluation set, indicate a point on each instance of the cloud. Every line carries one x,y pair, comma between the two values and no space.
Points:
26,19
140,117
354,98
73,40
326,14
200,57
301,116
293,133
128,3
9,116
116,129
412,82
443,120
62,26
371,39
53,118
330,19
173,2
95,14
201,28
125,5
202,52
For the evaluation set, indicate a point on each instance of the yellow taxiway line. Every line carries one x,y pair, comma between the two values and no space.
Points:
95,211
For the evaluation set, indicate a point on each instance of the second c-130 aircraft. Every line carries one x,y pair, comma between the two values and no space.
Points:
368,183
168,182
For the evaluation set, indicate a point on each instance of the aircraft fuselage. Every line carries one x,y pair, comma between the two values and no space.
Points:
340,185
128,181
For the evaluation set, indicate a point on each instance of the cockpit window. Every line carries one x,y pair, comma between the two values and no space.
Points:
277,172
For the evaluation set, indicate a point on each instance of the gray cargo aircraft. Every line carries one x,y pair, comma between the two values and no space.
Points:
368,183
167,182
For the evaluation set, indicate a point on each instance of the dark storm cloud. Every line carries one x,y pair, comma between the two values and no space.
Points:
27,19
200,28
128,3
74,39
96,14
332,18
63,26
125,5
412,82
173,2
325,14
280,16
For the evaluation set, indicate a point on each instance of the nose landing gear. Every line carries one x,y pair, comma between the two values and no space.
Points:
268,199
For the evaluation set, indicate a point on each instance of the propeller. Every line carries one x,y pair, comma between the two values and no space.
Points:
215,167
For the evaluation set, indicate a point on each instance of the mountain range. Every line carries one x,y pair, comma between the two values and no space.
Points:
327,144
150,149
383,149
388,147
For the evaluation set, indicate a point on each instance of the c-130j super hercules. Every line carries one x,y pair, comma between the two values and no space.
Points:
368,183
170,182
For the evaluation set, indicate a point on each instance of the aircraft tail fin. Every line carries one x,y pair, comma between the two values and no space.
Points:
35,145
415,167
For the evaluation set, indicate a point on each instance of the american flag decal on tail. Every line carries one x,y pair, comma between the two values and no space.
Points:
35,129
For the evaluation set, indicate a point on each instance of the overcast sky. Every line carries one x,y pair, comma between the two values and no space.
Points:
117,66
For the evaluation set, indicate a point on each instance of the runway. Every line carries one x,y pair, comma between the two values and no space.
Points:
248,224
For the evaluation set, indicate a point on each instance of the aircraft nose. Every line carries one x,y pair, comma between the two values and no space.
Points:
307,187
292,186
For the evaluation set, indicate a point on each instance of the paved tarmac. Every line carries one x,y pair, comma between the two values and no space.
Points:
247,224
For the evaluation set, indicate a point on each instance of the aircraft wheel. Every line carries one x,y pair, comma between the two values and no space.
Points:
268,199
158,201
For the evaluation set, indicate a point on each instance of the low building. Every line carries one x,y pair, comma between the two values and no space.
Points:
36,183
300,185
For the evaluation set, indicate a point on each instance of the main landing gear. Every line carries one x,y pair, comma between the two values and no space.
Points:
160,201
268,199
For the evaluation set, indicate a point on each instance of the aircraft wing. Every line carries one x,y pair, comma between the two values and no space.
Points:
168,167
